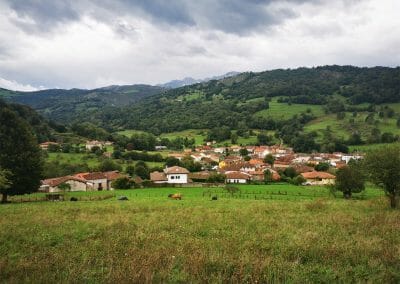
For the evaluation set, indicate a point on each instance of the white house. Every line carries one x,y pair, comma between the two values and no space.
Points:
237,177
170,175
176,174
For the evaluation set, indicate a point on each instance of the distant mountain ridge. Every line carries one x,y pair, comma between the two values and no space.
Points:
190,81
66,105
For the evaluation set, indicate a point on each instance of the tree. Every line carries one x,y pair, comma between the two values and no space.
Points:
109,165
350,179
19,154
267,176
123,183
64,187
142,170
172,161
322,167
290,172
234,138
130,170
269,159
243,152
4,180
383,168
216,178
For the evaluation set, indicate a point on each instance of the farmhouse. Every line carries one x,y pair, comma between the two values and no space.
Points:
111,176
318,178
97,181
176,174
45,145
237,177
91,144
51,185
170,175
158,177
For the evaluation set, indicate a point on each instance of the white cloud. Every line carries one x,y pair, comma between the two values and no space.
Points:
102,47
15,86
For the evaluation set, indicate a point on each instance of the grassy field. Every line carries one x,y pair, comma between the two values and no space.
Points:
369,147
234,239
198,135
94,161
130,132
286,111
74,158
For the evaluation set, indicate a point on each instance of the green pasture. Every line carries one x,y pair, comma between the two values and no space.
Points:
151,238
285,111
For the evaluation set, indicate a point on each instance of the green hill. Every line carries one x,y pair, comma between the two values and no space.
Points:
66,106
320,108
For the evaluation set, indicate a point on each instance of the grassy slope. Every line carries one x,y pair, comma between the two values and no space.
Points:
286,111
92,160
153,239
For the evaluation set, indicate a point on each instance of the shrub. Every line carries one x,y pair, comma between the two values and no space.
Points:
232,189
123,183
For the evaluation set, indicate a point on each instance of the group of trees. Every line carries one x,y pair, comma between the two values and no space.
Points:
20,157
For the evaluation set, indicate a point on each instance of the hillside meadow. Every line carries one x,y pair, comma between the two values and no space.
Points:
300,234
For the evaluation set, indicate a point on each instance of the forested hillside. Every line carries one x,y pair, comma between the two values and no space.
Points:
42,129
68,105
229,101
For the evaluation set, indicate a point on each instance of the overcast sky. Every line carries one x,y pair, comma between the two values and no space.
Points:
95,43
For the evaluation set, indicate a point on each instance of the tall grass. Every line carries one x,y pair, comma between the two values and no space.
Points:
154,239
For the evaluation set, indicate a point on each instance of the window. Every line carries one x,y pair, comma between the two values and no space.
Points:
178,177
172,177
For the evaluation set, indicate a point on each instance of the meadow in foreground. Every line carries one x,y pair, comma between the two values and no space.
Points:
235,238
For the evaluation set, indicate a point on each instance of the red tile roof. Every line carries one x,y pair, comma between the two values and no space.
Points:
158,176
91,176
113,175
316,175
176,170
59,180
237,175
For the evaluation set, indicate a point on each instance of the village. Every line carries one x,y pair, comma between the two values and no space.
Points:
219,165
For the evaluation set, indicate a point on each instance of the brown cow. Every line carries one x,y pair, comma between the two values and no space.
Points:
176,196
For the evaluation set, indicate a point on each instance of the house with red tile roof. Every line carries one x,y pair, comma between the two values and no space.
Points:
96,180
52,185
237,177
318,178
170,175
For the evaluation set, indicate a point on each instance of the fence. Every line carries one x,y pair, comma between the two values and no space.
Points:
30,198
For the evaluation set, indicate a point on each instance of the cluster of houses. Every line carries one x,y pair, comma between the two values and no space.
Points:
235,168
89,145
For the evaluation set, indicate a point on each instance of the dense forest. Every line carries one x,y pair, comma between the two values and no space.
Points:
41,128
72,105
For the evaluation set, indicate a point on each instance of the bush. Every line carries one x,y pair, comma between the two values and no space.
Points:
299,180
123,183
231,189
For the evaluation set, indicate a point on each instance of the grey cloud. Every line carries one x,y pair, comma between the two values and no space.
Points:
46,14
230,16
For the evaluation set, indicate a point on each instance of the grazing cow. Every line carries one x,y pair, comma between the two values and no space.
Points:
73,199
214,197
122,198
176,196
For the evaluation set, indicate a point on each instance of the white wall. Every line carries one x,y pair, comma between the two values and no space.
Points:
236,180
177,178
